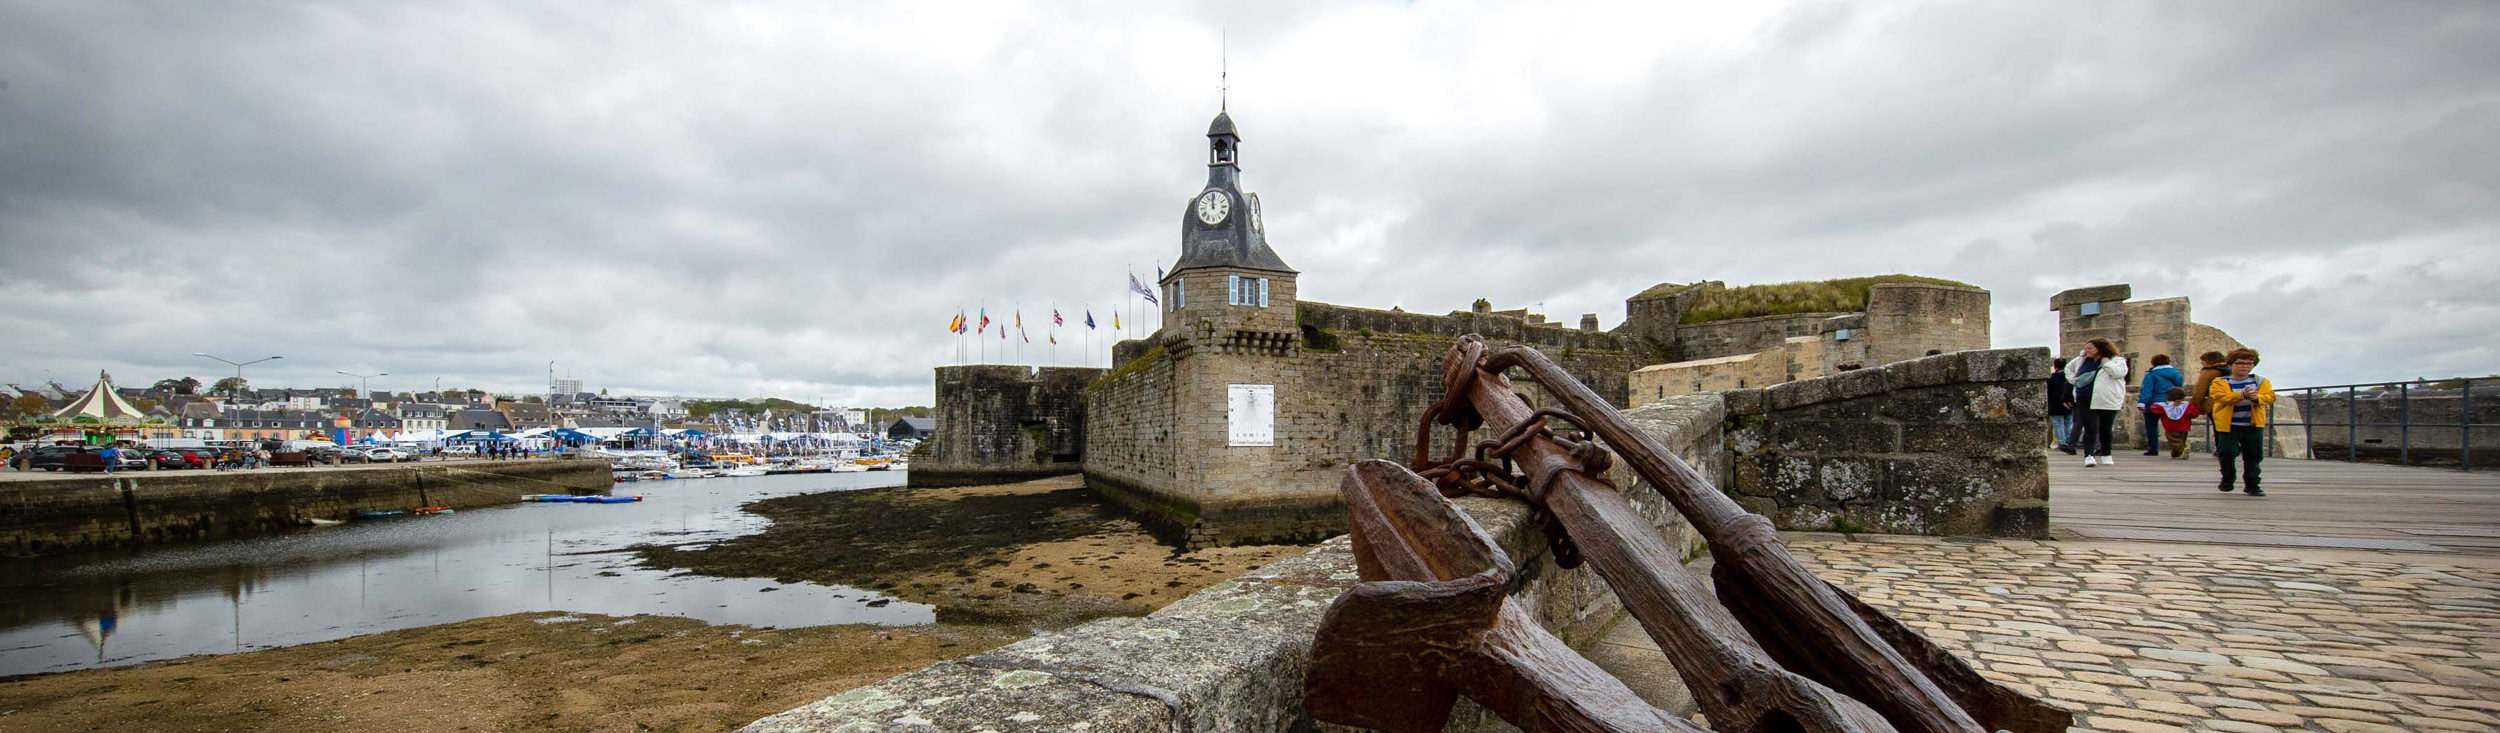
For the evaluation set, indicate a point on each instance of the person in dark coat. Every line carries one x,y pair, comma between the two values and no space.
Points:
2154,390
2062,408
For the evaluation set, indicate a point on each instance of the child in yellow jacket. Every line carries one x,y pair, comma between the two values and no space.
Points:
2239,403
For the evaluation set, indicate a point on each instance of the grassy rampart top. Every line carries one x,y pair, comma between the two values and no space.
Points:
1844,295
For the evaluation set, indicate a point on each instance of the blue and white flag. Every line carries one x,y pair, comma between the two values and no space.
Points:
1141,289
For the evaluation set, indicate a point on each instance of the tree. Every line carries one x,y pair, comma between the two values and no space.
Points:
29,405
143,403
185,385
533,399
230,386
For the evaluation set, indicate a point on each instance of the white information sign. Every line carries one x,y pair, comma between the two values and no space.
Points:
1251,413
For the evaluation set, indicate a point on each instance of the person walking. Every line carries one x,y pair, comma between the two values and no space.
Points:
2177,418
2240,402
2103,375
2158,381
2061,408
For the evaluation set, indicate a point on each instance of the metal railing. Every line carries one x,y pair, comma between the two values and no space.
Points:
2413,414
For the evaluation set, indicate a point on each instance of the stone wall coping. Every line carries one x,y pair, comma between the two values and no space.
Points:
2094,294
1929,286
1986,365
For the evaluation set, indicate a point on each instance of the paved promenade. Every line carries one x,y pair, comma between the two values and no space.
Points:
2307,504
2149,638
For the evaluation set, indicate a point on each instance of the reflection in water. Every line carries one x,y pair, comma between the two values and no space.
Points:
325,583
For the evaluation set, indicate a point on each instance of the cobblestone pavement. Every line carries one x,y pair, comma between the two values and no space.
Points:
2144,638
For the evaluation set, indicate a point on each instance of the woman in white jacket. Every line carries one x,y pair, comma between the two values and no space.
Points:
2107,372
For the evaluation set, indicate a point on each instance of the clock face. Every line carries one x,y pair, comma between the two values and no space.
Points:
1213,206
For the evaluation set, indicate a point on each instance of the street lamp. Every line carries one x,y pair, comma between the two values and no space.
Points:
238,365
361,392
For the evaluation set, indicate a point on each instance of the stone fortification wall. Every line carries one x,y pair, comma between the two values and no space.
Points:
52,516
1939,445
1907,320
2371,425
1158,443
1737,336
1231,658
1654,317
999,423
1710,375
1339,320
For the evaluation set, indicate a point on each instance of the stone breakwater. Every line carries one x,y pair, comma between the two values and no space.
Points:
59,515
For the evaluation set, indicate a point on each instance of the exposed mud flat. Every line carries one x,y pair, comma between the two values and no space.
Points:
1036,554
541,671
997,561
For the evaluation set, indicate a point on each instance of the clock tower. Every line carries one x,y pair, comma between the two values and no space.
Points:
1227,281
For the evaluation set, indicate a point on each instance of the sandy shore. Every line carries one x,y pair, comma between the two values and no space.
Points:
998,561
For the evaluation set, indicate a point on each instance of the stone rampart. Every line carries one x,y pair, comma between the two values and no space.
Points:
1939,445
1734,336
53,516
1000,423
1908,320
1231,658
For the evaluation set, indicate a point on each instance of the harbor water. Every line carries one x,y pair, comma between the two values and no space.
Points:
323,583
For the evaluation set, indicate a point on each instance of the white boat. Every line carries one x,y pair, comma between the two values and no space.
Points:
683,473
744,471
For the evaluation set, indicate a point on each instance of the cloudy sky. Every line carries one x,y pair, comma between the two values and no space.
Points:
792,199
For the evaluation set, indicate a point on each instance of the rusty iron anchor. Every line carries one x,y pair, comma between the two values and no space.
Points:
1432,619
1786,652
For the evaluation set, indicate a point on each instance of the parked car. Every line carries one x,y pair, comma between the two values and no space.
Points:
323,454
164,460
387,454
460,450
48,457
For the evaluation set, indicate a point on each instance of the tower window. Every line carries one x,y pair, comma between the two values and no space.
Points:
1180,294
1250,291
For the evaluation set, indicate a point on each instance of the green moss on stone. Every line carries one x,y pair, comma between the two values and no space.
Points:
1844,295
1133,366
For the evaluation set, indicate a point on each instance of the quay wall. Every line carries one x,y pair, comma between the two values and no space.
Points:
1005,423
54,516
1937,445
1231,658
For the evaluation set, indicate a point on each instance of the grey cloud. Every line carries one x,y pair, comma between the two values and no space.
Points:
732,199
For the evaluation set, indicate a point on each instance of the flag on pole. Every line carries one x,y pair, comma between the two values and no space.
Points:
985,320
1054,341
1055,320
1141,290
1089,319
957,325
1115,320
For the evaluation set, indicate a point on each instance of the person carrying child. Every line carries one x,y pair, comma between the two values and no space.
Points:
2177,417
2240,402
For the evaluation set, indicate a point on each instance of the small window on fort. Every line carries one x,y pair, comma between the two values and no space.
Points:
2089,309
1250,291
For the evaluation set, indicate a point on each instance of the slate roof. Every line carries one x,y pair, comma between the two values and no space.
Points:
1223,125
